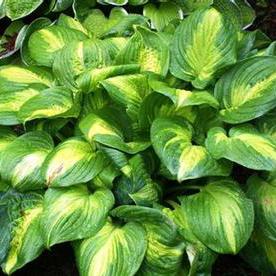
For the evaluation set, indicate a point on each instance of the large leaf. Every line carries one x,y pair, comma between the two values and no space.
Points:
49,103
17,85
6,137
119,23
247,86
220,216
161,16
79,56
203,45
148,49
260,253
267,124
16,9
172,141
20,229
71,162
104,128
165,249
263,195
73,213
182,97
123,248
243,145
90,80
45,43
137,185
129,91
21,161
35,25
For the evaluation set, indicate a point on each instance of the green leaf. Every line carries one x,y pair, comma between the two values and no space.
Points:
20,231
181,97
79,56
136,186
247,86
82,8
84,215
21,161
35,25
260,253
147,49
263,194
90,80
45,43
6,137
220,216
267,124
119,23
204,44
172,141
243,145
71,162
69,22
61,5
123,248
165,249
17,9
161,16
190,6
104,129
49,103
17,85
129,91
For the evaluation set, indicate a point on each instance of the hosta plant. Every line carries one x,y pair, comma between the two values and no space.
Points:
143,135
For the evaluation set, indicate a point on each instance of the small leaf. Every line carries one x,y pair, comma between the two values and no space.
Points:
84,215
22,159
71,162
123,247
220,216
172,141
203,45
243,145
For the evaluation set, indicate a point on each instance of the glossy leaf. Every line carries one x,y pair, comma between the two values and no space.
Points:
147,49
172,141
21,161
20,241
247,86
243,145
220,216
49,103
203,45
262,194
123,248
84,215
45,43
71,162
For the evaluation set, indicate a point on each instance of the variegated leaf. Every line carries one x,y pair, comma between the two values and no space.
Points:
172,141
244,145
245,88
220,216
114,250
203,45
73,213
71,162
21,161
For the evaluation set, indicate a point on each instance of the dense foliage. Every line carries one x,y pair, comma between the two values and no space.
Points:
126,133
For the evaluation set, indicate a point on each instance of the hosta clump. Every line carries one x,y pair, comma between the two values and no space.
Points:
125,135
